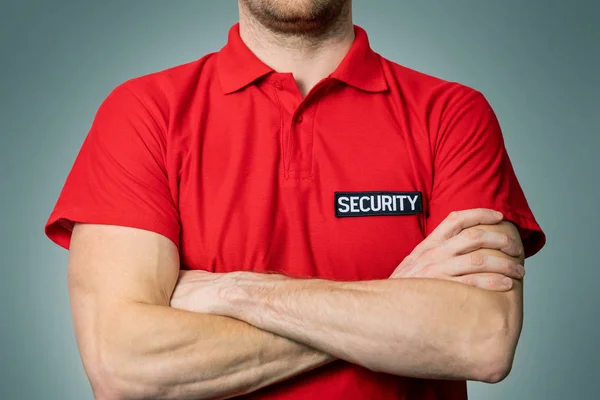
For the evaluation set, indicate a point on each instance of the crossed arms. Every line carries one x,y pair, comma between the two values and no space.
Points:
146,331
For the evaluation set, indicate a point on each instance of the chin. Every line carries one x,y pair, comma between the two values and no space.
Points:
296,16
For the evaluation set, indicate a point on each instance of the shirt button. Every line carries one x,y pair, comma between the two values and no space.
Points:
278,85
299,119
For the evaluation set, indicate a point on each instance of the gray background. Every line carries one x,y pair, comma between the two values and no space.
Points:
536,61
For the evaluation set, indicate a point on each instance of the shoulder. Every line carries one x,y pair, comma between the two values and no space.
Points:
144,108
168,86
422,90
162,92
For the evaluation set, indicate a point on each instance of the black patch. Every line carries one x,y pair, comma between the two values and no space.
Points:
361,204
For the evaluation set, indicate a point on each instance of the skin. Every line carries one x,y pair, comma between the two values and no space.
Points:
425,328
135,346
313,20
147,330
308,38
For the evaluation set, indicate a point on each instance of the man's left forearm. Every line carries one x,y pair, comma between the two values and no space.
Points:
411,327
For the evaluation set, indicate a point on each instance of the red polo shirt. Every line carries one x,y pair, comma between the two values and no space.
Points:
226,158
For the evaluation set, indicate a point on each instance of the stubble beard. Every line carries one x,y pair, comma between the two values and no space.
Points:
319,19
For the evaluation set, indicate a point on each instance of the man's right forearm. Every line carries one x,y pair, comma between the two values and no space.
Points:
149,351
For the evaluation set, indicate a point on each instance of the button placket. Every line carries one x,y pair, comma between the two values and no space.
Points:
297,119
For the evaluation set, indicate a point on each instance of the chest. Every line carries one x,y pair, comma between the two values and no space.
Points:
260,194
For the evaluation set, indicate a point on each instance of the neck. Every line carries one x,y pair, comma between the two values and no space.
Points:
308,58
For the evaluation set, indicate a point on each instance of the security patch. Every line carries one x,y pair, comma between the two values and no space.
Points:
361,204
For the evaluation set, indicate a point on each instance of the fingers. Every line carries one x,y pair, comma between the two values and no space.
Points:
477,262
495,282
472,239
456,221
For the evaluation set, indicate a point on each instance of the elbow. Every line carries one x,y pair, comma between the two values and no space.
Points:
109,384
495,371
118,378
104,381
112,385
494,354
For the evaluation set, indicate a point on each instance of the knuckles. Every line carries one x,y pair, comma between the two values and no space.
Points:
476,259
505,240
474,234
454,216
508,265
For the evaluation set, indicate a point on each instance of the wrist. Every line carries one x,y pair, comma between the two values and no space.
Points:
243,294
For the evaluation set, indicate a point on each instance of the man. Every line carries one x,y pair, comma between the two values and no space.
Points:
294,217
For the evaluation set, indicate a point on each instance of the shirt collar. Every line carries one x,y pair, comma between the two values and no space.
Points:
361,67
239,67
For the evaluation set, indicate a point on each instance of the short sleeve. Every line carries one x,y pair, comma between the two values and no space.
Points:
472,169
119,176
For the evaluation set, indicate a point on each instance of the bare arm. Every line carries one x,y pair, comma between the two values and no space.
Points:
134,346
426,328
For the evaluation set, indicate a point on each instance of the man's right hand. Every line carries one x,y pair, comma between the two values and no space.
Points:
451,252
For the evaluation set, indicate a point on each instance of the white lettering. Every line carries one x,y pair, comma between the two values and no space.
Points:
373,208
401,198
344,206
413,201
363,208
387,202
353,203
374,203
